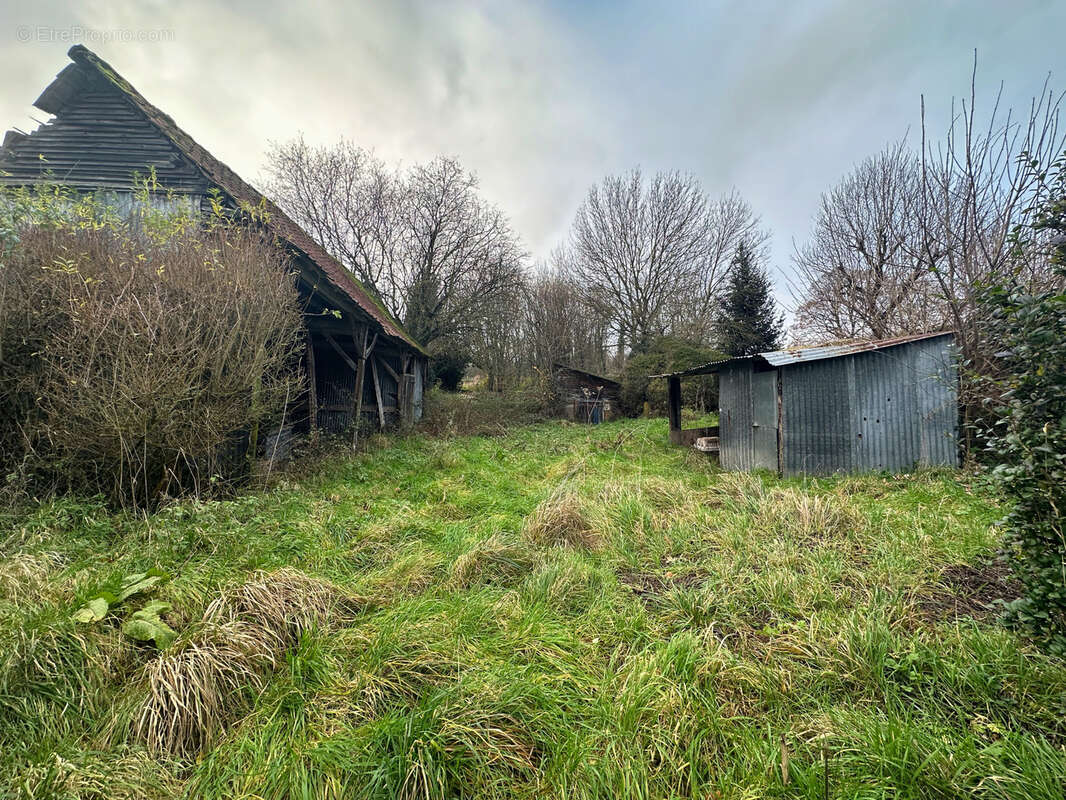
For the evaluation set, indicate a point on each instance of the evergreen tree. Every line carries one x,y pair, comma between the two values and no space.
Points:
748,321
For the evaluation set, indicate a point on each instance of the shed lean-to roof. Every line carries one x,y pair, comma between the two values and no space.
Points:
586,374
77,77
798,355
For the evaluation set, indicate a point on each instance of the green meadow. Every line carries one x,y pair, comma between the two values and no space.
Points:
556,612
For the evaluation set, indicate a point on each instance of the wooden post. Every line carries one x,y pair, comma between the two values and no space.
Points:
359,366
360,372
673,402
377,393
405,394
312,386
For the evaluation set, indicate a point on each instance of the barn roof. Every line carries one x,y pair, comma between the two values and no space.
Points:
88,68
798,355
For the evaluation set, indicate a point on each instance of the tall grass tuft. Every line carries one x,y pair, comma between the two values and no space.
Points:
561,520
195,690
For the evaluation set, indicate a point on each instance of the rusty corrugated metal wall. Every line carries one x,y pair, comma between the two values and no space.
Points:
888,409
734,419
816,416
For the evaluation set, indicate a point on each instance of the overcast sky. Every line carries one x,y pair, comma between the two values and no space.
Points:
776,99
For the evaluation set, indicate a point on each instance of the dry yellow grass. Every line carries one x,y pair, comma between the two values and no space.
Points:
807,516
194,690
561,520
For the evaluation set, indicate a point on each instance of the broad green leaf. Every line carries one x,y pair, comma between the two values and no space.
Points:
147,626
93,611
139,582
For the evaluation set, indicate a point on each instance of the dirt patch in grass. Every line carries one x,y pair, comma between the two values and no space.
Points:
969,591
650,587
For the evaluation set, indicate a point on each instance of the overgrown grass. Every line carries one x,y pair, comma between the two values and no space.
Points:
560,611
480,413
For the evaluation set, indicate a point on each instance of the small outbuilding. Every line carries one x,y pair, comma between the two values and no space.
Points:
855,407
586,397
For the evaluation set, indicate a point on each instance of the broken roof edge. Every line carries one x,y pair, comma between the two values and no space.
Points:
70,81
798,355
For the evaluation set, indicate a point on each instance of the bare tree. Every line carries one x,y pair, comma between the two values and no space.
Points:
979,189
979,186
461,257
643,249
437,254
558,325
861,274
905,243
347,199
497,345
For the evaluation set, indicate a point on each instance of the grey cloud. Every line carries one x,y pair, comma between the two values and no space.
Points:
776,99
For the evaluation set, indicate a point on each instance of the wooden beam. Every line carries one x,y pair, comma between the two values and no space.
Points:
389,369
377,393
340,351
312,386
673,404
360,373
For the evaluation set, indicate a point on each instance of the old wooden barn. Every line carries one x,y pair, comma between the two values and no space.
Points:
856,407
359,360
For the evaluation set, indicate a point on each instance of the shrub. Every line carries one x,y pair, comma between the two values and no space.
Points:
1029,442
448,366
134,352
667,355
478,413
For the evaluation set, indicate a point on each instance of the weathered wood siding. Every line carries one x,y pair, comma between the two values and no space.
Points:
100,141
571,386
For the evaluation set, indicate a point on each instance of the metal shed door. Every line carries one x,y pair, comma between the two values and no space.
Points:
764,419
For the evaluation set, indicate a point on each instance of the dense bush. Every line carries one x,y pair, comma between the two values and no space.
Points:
481,413
1029,443
668,354
447,367
135,351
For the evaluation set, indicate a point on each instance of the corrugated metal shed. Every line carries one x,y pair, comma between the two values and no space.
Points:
734,416
861,406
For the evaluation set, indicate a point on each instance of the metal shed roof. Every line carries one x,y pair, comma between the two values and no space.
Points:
798,355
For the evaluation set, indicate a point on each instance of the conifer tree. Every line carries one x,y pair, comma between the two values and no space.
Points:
748,321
